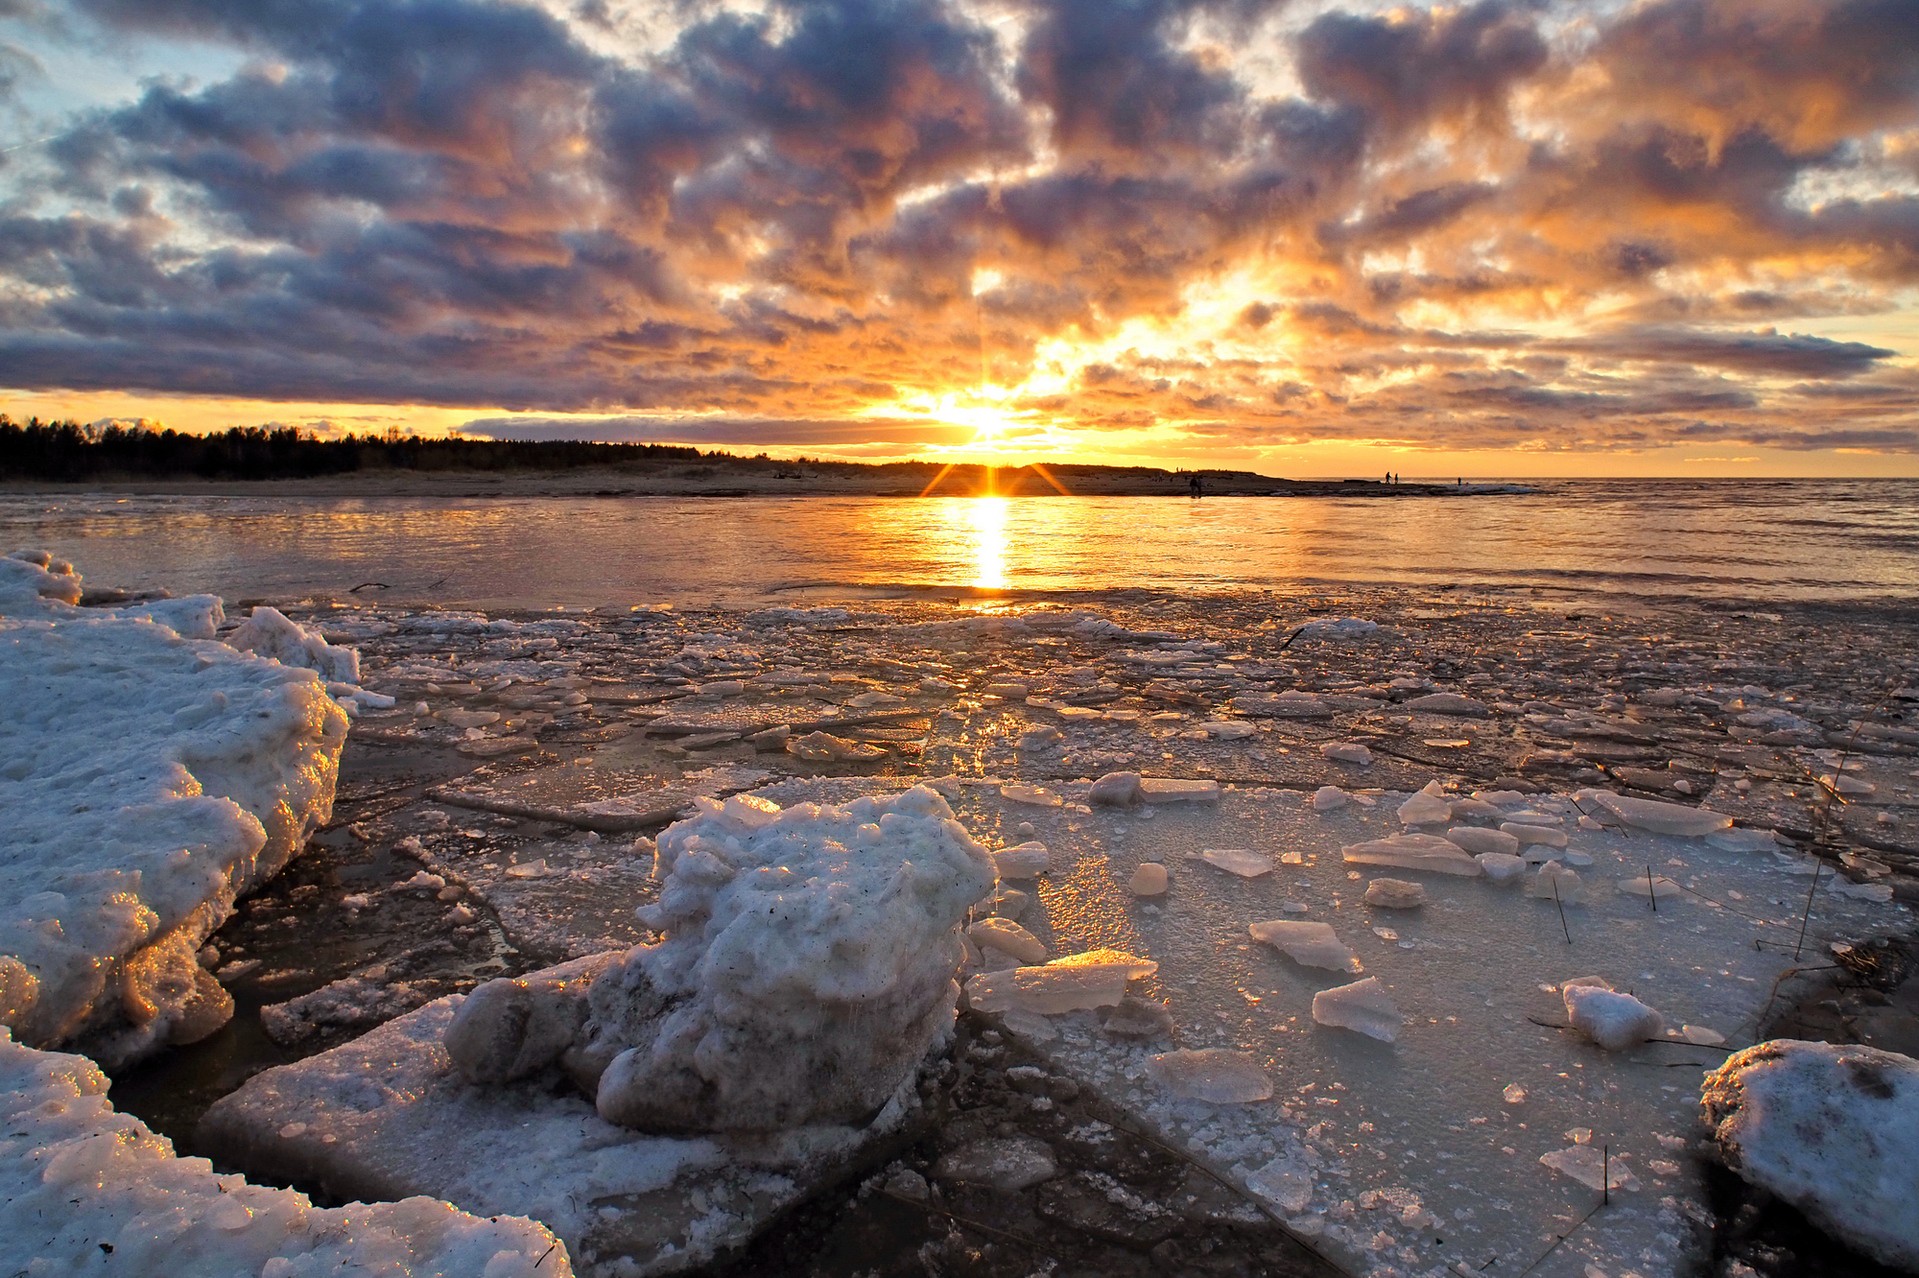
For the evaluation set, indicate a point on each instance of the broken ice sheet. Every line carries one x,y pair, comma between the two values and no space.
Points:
1653,815
1211,1074
1414,852
1095,978
1592,1167
1310,944
1240,861
1364,1007
1032,795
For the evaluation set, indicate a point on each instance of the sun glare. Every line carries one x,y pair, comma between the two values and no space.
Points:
987,518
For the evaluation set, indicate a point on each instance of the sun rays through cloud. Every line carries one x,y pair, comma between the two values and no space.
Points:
1499,236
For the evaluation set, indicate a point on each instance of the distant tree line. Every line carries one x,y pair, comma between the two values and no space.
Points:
71,451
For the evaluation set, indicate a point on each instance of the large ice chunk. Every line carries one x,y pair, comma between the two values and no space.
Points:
29,576
1653,815
270,633
1364,1006
1311,944
1095,978
1611,1019
824,938
1414,852
148,781
1833,1130
86,1190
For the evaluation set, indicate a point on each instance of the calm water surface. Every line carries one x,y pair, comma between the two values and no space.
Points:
1781,540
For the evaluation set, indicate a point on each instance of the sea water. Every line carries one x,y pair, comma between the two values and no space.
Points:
1761,540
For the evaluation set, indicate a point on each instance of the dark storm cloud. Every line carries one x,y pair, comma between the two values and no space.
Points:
793,215
1405,71
1765,354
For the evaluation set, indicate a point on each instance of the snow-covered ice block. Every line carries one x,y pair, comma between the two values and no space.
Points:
1311,944
1211,1074
29,578
824,937
87,1190
1364,1006
1414,852
190,617
270,633
149,780
1654,815
1034,796
1833,1130
1609,1018
388,1115
1095,978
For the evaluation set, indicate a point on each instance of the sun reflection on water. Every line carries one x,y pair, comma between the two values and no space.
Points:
987,518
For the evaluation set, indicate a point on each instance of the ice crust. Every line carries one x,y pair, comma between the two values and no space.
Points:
388,1115
824,938
150,780
1375,1152
1833,1130
87,1190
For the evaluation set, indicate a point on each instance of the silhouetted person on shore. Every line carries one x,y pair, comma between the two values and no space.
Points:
1196,486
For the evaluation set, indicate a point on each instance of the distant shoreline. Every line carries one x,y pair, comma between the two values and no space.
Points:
718,480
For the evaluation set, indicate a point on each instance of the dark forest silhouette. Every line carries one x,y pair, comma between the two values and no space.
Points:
70,451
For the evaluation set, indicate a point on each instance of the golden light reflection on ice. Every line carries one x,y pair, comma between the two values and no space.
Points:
987,518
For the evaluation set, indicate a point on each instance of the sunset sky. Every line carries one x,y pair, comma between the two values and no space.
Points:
1678,237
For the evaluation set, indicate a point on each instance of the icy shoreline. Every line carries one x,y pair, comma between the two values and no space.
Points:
152,776
523,754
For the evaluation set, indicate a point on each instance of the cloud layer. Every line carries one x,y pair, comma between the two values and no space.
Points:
1193,223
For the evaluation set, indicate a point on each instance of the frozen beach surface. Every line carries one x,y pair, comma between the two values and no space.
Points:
387,1116
1832,1130
1411,1109
86,1190
148,780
